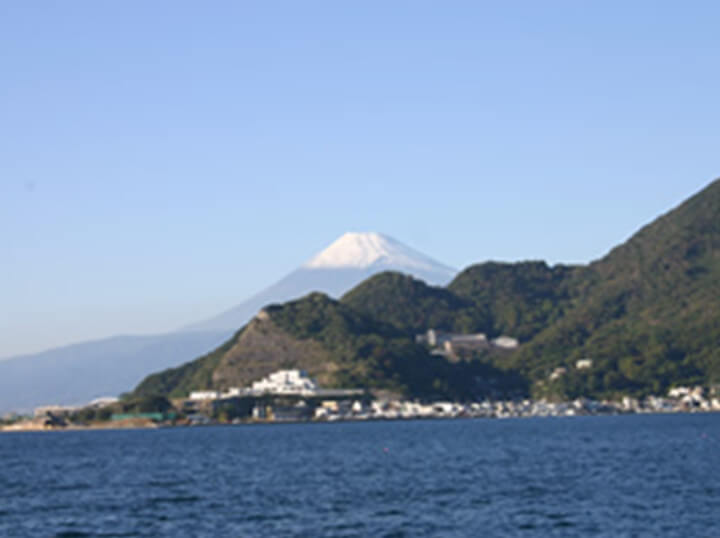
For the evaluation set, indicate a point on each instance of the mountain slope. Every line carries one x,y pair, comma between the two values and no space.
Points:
648,313
348,261
517,299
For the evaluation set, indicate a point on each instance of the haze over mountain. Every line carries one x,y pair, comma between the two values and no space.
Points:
349,260
78,373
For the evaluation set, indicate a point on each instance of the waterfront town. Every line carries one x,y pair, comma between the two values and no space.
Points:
292,396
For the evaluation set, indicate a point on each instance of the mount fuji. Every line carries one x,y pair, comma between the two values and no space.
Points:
349,260
80,372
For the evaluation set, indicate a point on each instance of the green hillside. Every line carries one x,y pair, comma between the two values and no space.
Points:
193,375
648,313
518,299
413,307
340,347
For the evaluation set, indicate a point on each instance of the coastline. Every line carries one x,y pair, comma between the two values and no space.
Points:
34,426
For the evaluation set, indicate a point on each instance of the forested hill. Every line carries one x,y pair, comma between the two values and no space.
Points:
337,345
412,306
647,314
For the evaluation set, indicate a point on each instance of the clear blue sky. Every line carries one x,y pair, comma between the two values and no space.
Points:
161,161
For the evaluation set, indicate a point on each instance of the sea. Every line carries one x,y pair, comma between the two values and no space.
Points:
636,475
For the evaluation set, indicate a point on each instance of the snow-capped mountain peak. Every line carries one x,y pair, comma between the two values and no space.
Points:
362,250
349,260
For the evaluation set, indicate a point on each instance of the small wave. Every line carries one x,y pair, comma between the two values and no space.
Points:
174,500
347,526
165,483
257,517
556,516
387,513
70,487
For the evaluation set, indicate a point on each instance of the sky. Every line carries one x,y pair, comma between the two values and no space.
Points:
162,161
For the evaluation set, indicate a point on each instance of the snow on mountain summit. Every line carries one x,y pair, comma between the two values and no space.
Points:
363,250
348,261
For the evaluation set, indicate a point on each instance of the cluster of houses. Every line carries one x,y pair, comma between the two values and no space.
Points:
581,364
291,395
66,410
50,416
680,400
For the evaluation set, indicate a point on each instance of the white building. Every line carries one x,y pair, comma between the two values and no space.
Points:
200,395
679,392
435,338
583,364
506,342
286,382
103,401
235,392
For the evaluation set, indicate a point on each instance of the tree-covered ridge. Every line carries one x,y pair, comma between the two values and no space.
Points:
412,306
648,313
518,299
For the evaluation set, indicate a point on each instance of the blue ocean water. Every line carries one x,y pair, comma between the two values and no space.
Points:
581,476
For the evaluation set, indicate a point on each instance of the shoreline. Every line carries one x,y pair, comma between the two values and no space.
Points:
33,427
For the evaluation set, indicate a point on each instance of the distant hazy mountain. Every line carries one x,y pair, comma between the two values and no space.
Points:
345,263
78,373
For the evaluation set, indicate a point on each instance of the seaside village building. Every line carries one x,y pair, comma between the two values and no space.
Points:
286,382
295,382
204,395
282,395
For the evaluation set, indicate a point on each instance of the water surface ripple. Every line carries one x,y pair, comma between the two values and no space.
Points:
582,476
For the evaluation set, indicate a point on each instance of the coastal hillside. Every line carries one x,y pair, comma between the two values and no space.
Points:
338,346
641,319
647,314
